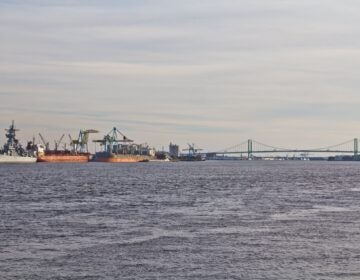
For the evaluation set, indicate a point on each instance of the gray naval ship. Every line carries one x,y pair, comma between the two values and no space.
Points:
13,152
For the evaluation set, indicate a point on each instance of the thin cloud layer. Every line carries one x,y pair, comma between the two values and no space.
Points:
181,71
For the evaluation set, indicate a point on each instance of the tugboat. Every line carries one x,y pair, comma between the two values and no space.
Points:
13,152
192,154
118,148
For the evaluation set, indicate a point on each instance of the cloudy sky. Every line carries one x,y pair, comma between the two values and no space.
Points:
215,73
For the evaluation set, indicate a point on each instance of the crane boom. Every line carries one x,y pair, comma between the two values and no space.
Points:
57,143
46,144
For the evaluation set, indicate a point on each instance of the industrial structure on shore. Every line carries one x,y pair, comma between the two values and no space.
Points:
192,153
115,147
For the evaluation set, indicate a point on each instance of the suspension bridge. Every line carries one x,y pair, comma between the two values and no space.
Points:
253,147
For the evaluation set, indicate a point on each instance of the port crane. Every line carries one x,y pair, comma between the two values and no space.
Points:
111,140
81,144
192,149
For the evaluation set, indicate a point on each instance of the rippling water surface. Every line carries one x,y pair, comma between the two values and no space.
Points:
206,220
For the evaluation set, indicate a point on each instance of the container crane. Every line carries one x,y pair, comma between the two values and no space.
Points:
192,149
111,140
81,144
192,154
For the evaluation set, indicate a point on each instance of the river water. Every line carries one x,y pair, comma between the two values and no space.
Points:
196,220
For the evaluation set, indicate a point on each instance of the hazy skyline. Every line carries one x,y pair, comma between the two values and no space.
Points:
215,73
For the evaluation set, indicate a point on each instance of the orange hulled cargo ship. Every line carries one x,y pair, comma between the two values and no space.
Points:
78,153
117,148
113,158
63,156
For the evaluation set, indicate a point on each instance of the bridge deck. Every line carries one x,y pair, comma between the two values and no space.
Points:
284,151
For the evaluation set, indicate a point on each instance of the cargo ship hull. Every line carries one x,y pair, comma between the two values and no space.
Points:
16,159
81,158
192,158
115,158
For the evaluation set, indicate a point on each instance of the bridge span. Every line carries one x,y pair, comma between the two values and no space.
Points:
251,147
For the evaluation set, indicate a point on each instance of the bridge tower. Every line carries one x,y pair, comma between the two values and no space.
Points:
356,147
250,149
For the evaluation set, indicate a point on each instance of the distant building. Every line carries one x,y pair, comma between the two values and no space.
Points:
174,150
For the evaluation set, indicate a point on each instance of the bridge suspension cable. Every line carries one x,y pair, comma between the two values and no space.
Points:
253,146
269,146
346,143
232,148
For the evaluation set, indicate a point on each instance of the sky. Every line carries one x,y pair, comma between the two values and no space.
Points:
283,72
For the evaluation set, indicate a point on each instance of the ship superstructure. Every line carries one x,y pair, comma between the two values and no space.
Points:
12,151
116,147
